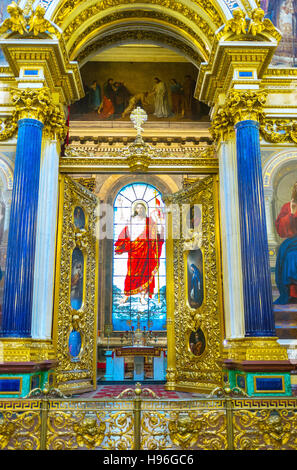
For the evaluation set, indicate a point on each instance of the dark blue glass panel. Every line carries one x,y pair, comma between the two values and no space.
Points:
10,385
273,384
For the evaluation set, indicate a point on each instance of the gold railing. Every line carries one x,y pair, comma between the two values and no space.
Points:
137,419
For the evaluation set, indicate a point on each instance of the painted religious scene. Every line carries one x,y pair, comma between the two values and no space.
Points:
280,190
283,14
139,268
164,90
195,278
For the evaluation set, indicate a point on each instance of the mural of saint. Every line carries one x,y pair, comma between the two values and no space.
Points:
94,96
286,261
164,90
176,97
195,278
79,217
197,342
142,239
160,93
196,293
107,108
76,294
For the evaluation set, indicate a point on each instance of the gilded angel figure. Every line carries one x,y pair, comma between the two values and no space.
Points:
17,22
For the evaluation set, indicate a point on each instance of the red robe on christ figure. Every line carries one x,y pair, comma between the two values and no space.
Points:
143,244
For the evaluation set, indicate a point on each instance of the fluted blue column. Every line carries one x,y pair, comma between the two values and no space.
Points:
257,291
19,271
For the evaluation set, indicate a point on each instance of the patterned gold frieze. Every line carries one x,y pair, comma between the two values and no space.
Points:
255,349
22,350
143,156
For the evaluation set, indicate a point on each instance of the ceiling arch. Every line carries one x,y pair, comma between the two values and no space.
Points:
186,26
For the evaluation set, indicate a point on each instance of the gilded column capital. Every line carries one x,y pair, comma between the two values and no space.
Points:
31,103
240,105
34,103
247,104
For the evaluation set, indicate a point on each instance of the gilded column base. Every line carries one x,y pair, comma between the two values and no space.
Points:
254,349
258,366
26,350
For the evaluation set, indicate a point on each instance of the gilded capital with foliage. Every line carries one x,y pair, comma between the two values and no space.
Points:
239,106
34,103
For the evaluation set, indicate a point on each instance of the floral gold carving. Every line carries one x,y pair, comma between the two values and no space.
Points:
239,106
35,104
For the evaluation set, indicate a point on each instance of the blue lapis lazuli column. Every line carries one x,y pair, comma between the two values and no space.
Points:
257,291
19,271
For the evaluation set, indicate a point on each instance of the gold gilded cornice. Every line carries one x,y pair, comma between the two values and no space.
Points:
34,104
140,157
239,106
168,21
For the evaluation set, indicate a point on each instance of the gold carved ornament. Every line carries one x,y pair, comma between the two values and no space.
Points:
189,371
240,25
242,105
34,104
19,23
69,5
66,318
239,106
93,29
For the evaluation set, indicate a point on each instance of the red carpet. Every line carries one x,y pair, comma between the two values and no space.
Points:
113,391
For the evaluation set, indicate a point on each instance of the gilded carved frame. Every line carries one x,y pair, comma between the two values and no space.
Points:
79,375
185,370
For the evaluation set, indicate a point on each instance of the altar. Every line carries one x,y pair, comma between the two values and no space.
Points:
115,362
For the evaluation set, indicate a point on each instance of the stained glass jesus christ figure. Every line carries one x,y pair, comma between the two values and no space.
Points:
142,239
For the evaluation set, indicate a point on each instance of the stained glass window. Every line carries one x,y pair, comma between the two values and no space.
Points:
139,267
